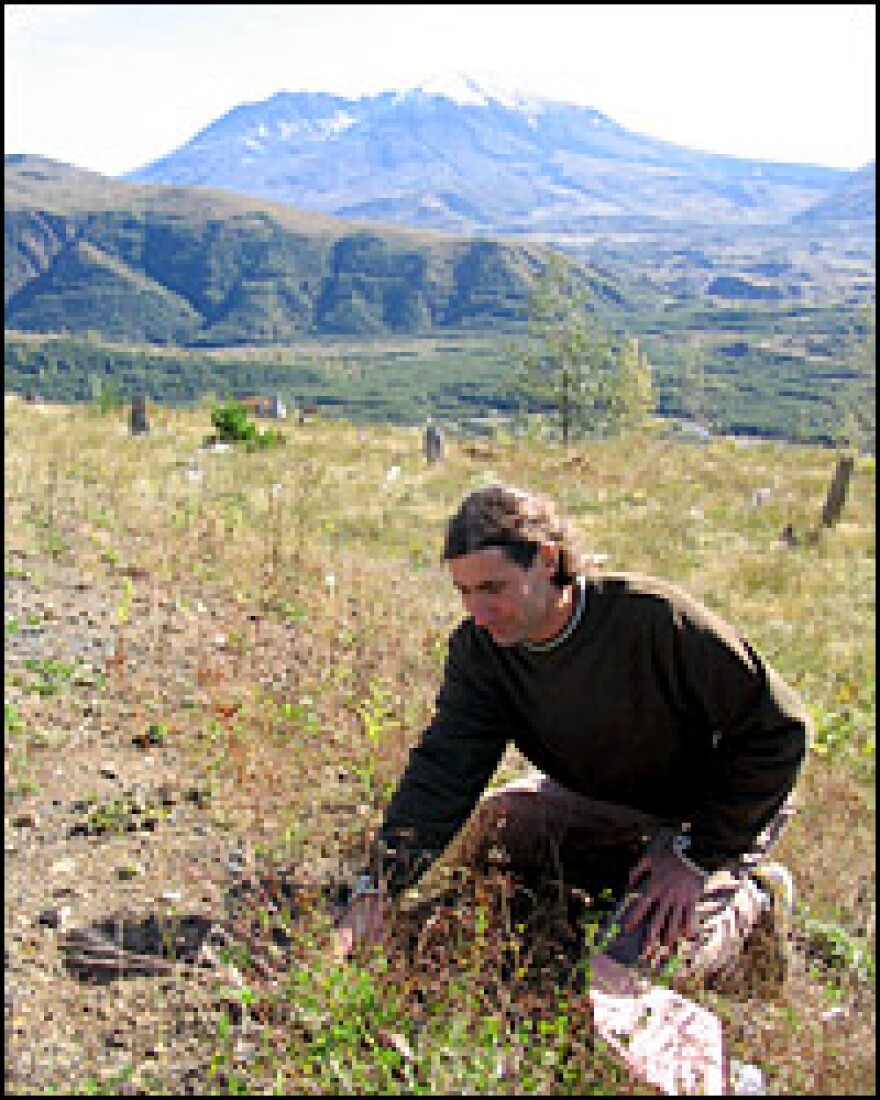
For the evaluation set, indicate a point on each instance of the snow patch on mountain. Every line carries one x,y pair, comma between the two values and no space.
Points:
467,91
261,137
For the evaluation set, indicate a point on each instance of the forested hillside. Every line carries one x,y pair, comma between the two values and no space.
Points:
193,267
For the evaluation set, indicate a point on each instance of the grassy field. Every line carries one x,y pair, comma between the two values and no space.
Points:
272,626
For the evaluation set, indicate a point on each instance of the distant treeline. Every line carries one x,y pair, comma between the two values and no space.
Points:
458,378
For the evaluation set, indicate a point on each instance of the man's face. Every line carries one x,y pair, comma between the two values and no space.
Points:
512,603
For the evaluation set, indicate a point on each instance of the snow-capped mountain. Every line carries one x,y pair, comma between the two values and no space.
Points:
466,91
462,155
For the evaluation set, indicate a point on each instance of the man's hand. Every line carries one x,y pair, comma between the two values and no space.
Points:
668,892
364,924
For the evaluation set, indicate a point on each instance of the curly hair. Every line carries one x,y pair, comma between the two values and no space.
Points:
516,520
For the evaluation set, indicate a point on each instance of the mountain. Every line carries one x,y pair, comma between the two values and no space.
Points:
194,267
852,204
473,161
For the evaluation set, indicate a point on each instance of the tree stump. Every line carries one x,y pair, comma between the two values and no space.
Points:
139,424
433,443
837,491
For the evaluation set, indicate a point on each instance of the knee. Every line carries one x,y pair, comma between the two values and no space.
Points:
490,830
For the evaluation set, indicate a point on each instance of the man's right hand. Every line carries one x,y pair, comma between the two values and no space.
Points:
364,924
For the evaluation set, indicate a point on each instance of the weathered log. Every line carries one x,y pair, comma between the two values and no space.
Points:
138,422
837,491
433,443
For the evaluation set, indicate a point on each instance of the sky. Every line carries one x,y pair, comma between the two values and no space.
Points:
111,87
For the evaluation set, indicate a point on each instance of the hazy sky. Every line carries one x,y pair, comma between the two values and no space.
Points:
111,87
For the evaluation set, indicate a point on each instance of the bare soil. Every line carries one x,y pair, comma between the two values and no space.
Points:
111,830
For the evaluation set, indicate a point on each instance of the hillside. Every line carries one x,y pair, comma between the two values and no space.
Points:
852,204
479,163
199,669
103,277
195,267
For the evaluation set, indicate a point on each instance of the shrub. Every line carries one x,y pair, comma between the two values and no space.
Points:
232,426
231,423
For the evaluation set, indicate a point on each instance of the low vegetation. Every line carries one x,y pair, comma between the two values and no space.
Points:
232,425
274,632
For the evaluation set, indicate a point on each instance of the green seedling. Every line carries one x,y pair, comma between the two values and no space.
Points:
12,720
51,675
124,607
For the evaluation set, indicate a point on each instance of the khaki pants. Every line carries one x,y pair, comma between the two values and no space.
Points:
536,827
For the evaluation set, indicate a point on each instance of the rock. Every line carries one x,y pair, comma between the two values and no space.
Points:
25,821
54,917
197,796
789,537
746,1079
65,892
65,866
166,795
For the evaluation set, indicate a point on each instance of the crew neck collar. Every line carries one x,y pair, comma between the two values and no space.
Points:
580,595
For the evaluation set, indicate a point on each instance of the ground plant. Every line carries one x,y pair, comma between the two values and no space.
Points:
215,669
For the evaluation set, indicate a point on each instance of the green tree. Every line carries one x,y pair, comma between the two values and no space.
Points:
634,399
557,366
568,364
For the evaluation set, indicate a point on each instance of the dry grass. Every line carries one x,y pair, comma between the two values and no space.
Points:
283,616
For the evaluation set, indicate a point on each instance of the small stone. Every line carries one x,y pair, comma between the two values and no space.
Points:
166,795
107,771
127,871
25,821
197,796
746,1079
54,917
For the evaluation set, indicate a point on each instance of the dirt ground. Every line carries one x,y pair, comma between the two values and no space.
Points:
108,830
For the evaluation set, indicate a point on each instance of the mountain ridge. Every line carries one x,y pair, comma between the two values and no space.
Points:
489,166
194,267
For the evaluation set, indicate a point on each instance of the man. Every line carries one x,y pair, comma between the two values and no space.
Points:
665,749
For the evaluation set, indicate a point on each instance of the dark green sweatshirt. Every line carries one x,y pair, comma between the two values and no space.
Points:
653,702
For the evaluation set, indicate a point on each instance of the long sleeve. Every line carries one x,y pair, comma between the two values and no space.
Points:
447,770
760,732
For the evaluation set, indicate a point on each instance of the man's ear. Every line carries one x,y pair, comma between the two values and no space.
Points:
548,555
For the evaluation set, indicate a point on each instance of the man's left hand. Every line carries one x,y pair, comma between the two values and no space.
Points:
668,892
